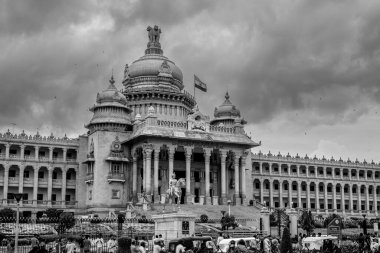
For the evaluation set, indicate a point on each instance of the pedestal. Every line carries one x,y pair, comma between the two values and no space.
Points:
215,200
223,200
201,200
237,200
156,198
174,225
189,199
293,217
208,201
163,199
264,213
145,206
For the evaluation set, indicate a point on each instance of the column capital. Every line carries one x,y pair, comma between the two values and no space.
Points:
7,145
207,152
148,147
22,146
188,151
50,168
51,148
36,169
223,152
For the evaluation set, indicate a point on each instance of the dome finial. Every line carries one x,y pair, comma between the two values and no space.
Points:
112,81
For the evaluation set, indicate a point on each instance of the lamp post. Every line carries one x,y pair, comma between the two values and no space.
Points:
229,207
18,198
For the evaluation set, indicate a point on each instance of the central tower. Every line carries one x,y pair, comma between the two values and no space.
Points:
155,81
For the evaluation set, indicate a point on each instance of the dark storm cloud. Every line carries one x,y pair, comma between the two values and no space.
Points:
272,56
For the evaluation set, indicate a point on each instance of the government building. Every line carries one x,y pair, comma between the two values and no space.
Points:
152,130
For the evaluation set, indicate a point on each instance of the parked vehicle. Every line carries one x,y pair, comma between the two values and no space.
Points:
190,243
224,244
316,243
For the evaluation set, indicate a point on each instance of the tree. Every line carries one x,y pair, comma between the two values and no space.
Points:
66,221
228,221
7,213
307,222
286,242
53,213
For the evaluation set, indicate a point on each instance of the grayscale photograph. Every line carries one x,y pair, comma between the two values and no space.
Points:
210,126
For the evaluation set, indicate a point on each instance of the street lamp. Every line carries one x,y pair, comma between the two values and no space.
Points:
229,207
18,198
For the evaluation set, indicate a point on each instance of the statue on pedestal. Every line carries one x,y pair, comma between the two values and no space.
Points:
174,190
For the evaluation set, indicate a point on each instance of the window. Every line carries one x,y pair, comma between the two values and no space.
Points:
13,151
286,187
312,188
329,189
329,206
55,154
53,197
115,169
320,188
55,175
294,187
197,176
68,197
304,205
115,194
303,187
185,227
338,206
41,153
257,185
26,174
276,187
322,206
267,186
345,190
25,196
338,190
12,173
361,190
27,152
211,178
294,170
312,205
90,195
40,196
40,174
353,190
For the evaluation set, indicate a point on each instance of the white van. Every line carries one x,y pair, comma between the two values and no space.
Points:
225,243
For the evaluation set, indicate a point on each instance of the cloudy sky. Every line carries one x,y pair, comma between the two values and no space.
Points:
305,74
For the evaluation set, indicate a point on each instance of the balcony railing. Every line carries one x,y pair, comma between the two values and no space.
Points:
89,177
117,177
71,182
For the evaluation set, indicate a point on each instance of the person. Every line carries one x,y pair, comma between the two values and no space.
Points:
275,245
319,234
267,246
10,247
241,247
86,244
111,244
70,246
180,248
34,243
142,248
220,237
361,241
231,247
253,244
157,246
133,247
202,248
99,242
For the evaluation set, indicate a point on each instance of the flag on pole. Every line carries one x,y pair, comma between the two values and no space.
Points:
199,84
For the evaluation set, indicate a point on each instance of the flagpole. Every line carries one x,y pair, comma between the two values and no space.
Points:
194,91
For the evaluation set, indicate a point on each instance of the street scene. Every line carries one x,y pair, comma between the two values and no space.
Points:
147,127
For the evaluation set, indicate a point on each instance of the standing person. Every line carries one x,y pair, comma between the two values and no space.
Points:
267,245
180,248
86,245
231,247
241,247
142,247
34,243
10,247
220,237
111,244
157,246
99,242
70,246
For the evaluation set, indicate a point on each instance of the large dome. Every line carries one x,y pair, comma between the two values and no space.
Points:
151,65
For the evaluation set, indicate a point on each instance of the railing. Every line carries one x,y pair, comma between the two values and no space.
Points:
29,157
71,160
11,156
2,155
116,176
43,158
172,124
71,182
222,129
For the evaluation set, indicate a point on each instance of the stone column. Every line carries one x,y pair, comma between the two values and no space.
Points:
298,170
280,197
63,192
351,199
155,175
64,154
134,176
21,179
36,151
326,199
359,198
7,148
35,186
242,178
144,171
308,195
293,217
50,154
349,174
207,154
148,169
290,194
375,200
307,171
261,167
299,193
289,167
262,191
317,207
271,193
50,184
236,175
188,153
22,149
171,151
264,213
334,197
223,156
367,198
6,179
324,171
342,201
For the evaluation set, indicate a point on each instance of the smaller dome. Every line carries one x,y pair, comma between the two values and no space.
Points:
227,109
111,94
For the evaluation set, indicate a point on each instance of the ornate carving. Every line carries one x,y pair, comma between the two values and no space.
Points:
198,121
126,71
116,146
165,68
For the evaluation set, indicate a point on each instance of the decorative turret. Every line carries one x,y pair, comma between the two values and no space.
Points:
227,114
111,111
